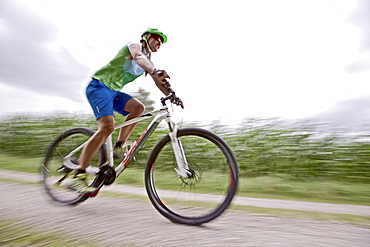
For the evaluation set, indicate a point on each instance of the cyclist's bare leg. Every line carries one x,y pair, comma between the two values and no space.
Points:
105,128
136,109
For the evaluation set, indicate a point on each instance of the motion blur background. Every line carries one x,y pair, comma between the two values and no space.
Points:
227,60
286,83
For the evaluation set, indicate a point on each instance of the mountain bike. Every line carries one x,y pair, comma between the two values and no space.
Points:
191,174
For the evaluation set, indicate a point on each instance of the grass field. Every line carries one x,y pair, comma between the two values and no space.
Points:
273,186
16,234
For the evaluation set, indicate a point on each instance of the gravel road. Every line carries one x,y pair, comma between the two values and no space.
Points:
111,221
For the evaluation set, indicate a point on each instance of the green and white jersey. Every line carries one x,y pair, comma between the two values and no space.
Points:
121,70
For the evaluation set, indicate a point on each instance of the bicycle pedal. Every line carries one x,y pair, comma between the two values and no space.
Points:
105,176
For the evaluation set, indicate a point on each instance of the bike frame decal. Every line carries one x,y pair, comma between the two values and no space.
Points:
130,155
142,139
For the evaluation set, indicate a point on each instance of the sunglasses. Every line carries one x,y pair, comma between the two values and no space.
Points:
157,37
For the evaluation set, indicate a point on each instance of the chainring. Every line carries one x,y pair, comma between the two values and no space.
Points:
105,176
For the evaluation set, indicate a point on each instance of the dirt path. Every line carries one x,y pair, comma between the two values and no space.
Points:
245,201
119,222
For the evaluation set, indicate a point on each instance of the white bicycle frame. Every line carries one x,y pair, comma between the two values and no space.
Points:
157,115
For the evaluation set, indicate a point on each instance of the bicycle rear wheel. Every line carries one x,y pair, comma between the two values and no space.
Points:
56,176
207,193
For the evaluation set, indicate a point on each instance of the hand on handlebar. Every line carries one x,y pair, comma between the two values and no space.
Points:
172,96
177,101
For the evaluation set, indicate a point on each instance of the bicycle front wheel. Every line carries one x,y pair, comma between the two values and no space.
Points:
207,192
55,176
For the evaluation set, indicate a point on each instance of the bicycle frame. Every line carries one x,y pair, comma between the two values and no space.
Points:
171,188
158,116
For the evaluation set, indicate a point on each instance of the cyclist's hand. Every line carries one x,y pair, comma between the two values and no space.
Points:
160,76
177,101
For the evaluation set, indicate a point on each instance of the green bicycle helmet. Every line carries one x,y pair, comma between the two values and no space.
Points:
154,31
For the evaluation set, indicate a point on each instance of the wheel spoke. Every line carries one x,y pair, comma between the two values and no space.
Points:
56,175
207,192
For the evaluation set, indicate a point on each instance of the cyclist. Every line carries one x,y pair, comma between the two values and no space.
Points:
105,96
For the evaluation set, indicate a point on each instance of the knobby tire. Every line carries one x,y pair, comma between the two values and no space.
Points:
192,201
53,162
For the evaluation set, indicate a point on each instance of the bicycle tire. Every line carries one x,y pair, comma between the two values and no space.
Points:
187,201
55,176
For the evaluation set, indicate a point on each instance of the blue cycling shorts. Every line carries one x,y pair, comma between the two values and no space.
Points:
104,101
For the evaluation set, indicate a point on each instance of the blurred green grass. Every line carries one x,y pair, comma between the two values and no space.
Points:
304,150
16,234
276,186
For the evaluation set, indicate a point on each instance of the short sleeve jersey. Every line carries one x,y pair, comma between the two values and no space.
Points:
121,70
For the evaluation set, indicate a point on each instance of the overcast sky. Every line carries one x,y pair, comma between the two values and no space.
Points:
227,59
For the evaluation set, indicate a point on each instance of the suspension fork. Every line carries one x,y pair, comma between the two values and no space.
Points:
182,165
